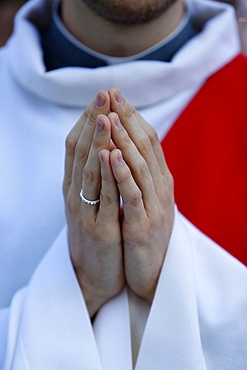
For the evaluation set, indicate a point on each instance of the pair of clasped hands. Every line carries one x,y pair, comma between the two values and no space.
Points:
112,152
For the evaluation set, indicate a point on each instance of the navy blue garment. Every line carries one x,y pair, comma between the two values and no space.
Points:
60,52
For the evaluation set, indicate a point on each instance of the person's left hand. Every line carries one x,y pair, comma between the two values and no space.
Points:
146,187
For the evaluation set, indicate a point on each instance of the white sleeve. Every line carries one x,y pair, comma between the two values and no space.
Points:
198,318
48,324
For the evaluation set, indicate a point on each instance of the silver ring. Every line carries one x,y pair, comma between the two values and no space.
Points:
87,201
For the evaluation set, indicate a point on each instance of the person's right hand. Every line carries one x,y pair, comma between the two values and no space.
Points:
93,230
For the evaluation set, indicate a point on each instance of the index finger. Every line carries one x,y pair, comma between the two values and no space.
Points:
101,104
118,104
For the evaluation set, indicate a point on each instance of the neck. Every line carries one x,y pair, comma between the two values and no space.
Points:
119,40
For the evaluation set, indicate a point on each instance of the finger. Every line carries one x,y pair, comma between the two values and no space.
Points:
131,195
132,123
91,176
101,105
154,139
70,145
109,195
129,115
138,165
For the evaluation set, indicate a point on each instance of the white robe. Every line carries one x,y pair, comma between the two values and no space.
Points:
198,318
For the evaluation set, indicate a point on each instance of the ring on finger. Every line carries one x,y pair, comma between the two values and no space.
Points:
87,201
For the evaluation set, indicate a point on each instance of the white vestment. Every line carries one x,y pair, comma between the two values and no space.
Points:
198,318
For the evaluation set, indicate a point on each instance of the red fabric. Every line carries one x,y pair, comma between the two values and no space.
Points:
206,151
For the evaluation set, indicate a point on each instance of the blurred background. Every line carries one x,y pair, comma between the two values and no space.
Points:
8,9
241,14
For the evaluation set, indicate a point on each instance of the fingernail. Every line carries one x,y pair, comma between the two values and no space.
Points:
120,157
99,100
99,126
117,121
119,97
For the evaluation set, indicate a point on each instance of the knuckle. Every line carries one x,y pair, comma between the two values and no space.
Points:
106,199
124,177
170,181
97,144
145,145
129,111
70,143
153,136
105,177
88,175
135,198
143,169
167,194
91,117
86,113
71,207
92,120
125,141
80,153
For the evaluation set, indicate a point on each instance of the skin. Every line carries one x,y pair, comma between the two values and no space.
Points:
118,38
129,11
112,151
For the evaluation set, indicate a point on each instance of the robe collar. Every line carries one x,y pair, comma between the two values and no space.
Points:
143,82
62,49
